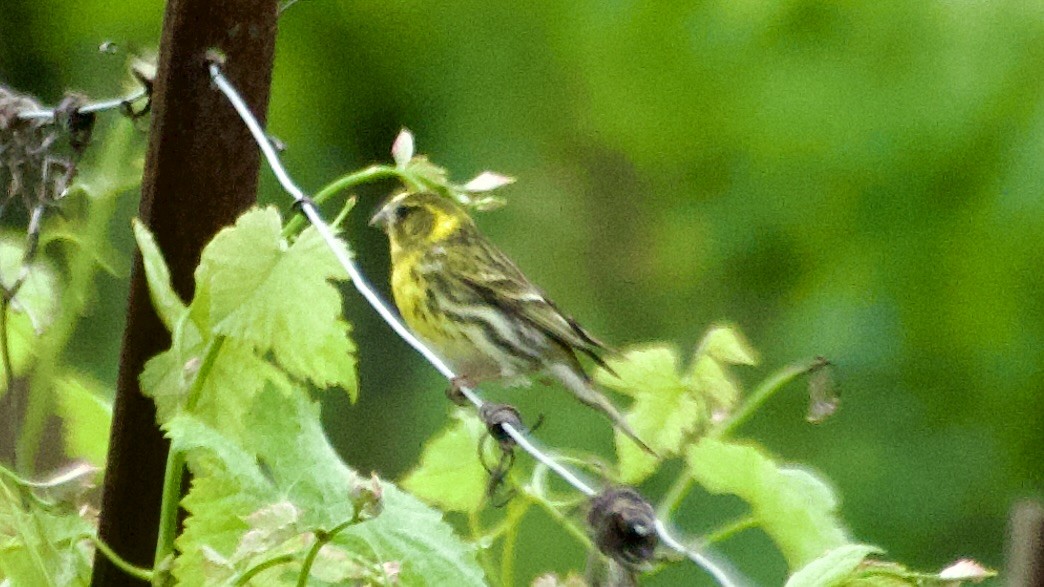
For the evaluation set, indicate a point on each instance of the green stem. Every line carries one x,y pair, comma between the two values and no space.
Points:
75,295
172,475
481,538
23,535
128,568
345,209
683,484
5,354
372,173
565,522
514,514
507,552
763,393
507,558
37,410
321,539
28,488
81,268
731,529
213,349
306,567
168,525
675,494
263,566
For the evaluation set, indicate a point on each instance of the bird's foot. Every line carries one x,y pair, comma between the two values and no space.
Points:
454,393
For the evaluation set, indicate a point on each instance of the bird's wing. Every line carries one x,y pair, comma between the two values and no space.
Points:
499,282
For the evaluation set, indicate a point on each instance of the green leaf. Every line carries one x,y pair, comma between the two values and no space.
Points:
237,476
235,377
634,464
876,573
281,462
168,304
408,532
721,346
666,410
793,506
213,453
672,406
216,523
41,546
86,418
711,381
278,297
832,568
166,378
285,432
104,254
726,344
449,474
33,308
116,166
421,171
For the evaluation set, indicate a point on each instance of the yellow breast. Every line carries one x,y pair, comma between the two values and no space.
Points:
451,340
410,289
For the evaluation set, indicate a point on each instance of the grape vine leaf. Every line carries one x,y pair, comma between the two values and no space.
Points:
414,535
793,506
33,307
282,459
671,405
665,411
265,317
41,545
721,347
852,566
449,474
86,418
115,165
279,297
165,300
833,567
726,344
256,296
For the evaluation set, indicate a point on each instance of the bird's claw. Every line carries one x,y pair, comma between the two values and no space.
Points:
454,393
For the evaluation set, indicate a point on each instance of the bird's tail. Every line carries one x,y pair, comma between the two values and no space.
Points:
585,391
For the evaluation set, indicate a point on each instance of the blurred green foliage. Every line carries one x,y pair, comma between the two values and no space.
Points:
855,179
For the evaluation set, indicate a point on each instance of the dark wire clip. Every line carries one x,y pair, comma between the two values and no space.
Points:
495,416
624,526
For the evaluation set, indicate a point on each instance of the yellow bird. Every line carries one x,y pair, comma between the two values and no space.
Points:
463,297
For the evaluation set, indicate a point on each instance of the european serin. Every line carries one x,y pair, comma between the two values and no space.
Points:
463,297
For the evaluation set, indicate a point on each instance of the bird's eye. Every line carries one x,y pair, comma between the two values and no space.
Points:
402,212
411,221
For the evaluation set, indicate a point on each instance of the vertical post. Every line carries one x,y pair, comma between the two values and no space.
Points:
201,172
1026,545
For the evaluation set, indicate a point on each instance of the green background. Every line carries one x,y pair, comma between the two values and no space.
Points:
854,179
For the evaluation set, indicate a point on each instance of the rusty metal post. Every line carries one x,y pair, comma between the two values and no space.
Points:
1026,545
201,172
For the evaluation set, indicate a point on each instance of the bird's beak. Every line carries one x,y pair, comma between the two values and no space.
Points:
381,218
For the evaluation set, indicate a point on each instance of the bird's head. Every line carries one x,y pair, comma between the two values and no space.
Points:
418,220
